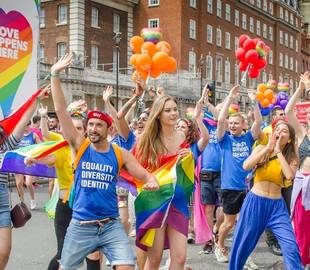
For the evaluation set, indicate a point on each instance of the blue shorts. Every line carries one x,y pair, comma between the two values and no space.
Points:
83,239
5,215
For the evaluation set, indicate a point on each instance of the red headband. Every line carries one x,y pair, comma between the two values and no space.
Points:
100,115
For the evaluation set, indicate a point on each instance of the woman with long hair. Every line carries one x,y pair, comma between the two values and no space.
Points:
264,206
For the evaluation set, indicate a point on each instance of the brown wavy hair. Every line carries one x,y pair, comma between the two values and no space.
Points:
193,133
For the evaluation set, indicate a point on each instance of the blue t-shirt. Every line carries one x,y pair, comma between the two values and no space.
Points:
122,142
235,151
211,156
27,140
95,185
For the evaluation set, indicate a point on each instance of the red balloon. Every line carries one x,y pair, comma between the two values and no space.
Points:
256,40
243,66
240,54
253,72
242,39
260,63
249,44
251,56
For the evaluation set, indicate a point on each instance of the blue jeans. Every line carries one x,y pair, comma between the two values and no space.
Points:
83,239
5,215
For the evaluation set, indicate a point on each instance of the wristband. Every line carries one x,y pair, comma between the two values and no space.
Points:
54,74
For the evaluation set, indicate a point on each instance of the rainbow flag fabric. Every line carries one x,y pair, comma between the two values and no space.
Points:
13,161
156,208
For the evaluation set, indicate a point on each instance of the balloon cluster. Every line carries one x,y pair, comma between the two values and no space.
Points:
266,97
151,56
251,55
282,99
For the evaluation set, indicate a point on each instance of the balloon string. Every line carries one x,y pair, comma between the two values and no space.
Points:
141,104
243,79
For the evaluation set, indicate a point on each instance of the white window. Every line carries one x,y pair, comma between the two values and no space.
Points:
281,59
296,22
271,8
227,12
291,63
219,69
94,56
265,31
153,3
236,73
227,72
280,78
42,54
291,42
296,45
281,37
62,14
251,24
192,29
237,21
209,33
252,83
192,61
286,61
286,15
270,58
94,17
270,76
244,21
209,67
192,3
210,6
218,37
116,23
270,33
42,18
281,13
61,49
286,39
219,8
296,66
153,23
264,76
258,32
236,43
292,19
258,3
227,40
265,6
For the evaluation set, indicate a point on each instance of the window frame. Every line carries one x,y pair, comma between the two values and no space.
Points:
153,20
60,12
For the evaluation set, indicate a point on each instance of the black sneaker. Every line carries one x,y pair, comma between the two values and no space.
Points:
208,247
275,249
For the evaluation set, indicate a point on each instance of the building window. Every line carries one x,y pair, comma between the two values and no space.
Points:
281,37
280,78
116,23
270,33
192,3
258,28
281,59
94,57
94,17
286,16
42,18
219,8
209,33
243,21
291,63
281,13
296,22
265,6
227,40
264,76
251,24
270,58
271,8
227,72
192,29
292,19
153,3
296,45
218,37
286,61
192,62
153,23
291,42
61,49
227,13
236,73
62,14
236,43
237,21
296,66
286,39
265,31
210,6
42,54
219,69
209,67
259,4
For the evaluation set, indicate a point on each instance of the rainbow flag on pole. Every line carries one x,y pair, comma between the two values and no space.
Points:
13,161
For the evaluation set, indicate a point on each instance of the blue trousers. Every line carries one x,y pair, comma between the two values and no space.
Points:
257,214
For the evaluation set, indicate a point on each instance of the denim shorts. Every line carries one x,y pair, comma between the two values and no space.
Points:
83,239
5,215
210,188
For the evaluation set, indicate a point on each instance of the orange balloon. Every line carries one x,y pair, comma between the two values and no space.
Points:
259,96
268,94
144,62
265,103
136,43
273,100
155,73
148,48
138,73
160,60
171,65
163,46
262,87
133,59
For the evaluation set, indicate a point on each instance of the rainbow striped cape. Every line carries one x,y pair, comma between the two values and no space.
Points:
13,161
176,181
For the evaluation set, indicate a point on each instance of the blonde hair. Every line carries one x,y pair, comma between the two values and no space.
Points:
150,145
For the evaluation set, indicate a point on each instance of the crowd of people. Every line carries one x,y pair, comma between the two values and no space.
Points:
247,180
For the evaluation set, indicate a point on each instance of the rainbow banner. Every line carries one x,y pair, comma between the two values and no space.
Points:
19,35
13,161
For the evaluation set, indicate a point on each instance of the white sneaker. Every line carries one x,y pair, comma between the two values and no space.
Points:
221,255
250,265
33,204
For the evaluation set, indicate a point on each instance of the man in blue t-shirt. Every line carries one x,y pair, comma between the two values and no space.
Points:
236,146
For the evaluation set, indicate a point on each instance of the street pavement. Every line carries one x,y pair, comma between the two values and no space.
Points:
35,244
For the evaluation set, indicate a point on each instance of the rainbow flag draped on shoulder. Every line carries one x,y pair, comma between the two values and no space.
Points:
13,161
155,208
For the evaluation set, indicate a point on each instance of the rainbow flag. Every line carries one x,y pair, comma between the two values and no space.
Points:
13,161
176,180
